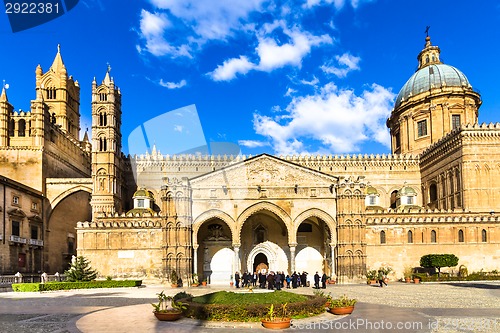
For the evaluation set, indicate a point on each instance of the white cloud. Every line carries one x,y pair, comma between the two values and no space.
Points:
346,64
272,55
210,20
178,128
313,82
252,143
173,85
339,119
152,28
230,68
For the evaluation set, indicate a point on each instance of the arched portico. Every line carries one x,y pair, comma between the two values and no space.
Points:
277,258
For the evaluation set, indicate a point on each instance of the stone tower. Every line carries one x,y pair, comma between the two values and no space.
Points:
61,96
436,99
106,147
5,111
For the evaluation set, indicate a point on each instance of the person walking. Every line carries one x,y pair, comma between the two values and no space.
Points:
237,279
316,281
381,278
323,281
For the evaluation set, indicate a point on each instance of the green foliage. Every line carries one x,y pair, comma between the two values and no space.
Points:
371,274
253,307
80,270
386,270
438,261
52,286
182,295
173,277
168,304
340,302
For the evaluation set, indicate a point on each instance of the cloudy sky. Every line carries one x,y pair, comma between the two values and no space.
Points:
282,77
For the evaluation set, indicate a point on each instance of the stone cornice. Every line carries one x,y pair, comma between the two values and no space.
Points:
455,139
121,224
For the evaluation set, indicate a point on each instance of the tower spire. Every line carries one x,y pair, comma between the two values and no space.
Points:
3,95
58,63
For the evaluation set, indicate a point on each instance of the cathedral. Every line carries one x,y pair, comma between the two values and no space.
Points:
149,215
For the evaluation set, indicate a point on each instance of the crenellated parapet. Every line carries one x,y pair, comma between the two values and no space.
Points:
134,223
415,216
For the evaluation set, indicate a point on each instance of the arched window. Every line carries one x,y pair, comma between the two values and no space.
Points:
433,193
410,237
484,237
21,127
103,119
12,125
102,144
433,236
382,237
460,236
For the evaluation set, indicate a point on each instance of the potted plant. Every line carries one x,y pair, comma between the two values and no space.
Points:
416,278
174,279
386,270
371,276
204,282
195,283
276,321
408,271
231,283
341,305
167,309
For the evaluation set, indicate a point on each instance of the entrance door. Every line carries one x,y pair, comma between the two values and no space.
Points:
260,263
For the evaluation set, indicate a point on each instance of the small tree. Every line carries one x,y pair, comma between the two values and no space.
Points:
438,261
80,270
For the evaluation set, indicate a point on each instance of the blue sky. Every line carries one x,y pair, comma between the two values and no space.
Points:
282,77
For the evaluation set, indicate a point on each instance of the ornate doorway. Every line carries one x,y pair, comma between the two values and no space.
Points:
260,263
276,257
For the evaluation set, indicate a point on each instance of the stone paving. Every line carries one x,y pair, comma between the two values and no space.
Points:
408,308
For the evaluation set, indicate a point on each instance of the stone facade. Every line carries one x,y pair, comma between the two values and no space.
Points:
214,215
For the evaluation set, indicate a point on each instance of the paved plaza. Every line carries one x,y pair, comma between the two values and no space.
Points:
431,307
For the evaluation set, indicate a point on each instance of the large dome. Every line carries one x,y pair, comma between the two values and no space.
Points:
432,76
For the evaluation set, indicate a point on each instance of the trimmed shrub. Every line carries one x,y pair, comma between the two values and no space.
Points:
80,270
252,307
438,261
52,286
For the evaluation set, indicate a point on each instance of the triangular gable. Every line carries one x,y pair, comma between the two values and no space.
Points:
264,170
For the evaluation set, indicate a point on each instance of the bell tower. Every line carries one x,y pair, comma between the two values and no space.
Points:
5,111
106,147
61,95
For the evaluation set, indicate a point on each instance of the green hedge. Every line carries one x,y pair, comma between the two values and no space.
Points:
312,305
445,278
51,286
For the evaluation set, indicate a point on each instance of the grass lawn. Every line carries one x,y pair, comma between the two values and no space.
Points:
224,297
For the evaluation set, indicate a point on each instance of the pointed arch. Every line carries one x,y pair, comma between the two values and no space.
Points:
315,212
265,206
209,215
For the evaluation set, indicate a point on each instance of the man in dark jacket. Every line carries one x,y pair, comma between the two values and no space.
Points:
316,281
237,279
323,281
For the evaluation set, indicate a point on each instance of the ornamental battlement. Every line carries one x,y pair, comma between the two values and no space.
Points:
299,159
427,216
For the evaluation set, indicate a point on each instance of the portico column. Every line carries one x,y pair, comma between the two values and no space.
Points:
292,257
236,249
195,259
333,248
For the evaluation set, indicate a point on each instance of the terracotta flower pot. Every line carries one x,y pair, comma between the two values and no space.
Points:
342,311
277,324
168,316
407,280
204,283
195,284
416,280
